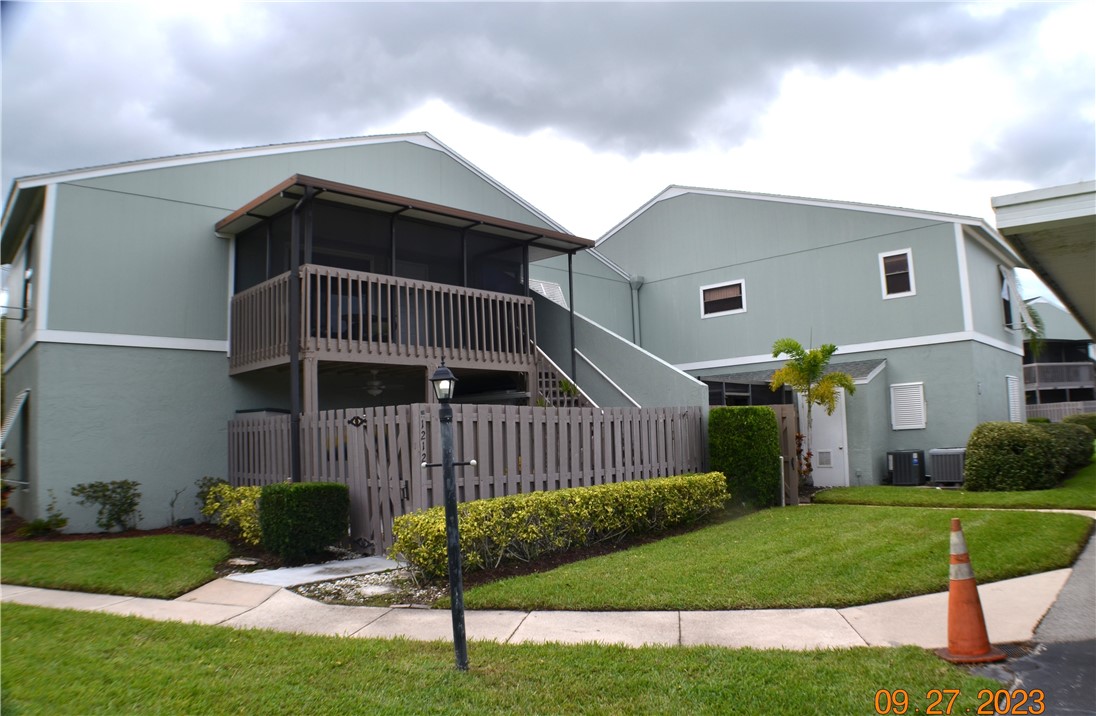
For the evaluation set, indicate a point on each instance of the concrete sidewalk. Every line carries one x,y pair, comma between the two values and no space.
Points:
1013,609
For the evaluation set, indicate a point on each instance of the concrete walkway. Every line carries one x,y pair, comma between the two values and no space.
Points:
1013,610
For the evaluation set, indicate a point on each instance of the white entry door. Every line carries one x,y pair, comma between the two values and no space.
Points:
829,443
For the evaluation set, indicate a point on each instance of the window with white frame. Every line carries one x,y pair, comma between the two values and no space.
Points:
896,273
723,299
907,406
1015,399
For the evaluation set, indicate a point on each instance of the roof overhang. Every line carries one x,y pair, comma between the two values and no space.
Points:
20,212
1054,230
550,242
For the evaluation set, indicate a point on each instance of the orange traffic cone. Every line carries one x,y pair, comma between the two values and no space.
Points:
968,642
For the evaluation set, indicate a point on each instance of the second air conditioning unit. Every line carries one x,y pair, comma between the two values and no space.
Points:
906,467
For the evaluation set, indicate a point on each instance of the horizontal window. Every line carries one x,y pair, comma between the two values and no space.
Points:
722,299
896,272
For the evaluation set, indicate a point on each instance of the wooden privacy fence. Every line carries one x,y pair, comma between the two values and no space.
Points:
518,449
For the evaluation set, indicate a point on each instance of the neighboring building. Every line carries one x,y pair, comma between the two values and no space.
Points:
155,300
1060,368
1054,230
923,307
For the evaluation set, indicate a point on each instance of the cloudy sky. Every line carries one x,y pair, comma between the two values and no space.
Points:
585,110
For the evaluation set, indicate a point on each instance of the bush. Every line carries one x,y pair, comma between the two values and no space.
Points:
1072,445
299,519
528,526
1086,419
745,446
204,485
236,508
1010,456
1039,420
54,521
117,500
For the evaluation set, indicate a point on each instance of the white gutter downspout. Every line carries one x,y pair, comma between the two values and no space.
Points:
636,282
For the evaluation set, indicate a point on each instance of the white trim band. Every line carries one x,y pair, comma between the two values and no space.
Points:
956,337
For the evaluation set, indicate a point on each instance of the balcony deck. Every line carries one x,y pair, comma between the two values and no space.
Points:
1050,376
353,316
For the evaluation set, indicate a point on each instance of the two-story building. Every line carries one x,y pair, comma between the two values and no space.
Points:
923,307
154,301
1059,367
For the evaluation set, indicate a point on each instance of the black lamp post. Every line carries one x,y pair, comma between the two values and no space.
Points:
444,383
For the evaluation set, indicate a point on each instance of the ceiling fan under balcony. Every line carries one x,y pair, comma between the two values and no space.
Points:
375,386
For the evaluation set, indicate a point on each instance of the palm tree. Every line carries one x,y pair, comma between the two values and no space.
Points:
805,372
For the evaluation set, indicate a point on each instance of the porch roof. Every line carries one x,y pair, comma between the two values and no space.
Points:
862,371
290,191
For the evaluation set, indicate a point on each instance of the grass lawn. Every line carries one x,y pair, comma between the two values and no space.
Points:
817,556
1076,493
62,662
158,566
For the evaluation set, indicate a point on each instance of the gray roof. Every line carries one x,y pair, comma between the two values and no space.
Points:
860,370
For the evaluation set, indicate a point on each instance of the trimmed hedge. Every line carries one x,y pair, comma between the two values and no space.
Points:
1010,456
1072,444
300,519
744,443
1086,419
528,526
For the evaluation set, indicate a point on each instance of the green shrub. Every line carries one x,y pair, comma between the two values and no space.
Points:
1039,420
54,521
117,500
236,508
1072,445
299,519
745,446
1086,419
204,485
1010,456
528,526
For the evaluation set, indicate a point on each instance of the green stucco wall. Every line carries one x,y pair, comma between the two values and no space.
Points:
788,255
158,417
135,253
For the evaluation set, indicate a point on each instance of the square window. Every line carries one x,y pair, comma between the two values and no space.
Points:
722,299
896,272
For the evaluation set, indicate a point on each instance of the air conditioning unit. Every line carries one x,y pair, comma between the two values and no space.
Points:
906,467
947,465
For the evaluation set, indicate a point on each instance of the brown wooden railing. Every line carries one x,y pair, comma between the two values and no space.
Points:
1059,375
517,449
357,316
259,335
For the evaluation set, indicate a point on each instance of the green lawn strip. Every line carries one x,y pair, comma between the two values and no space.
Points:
1076,493
158,566
817,556
63,662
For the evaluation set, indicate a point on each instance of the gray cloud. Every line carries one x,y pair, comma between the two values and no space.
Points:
90,83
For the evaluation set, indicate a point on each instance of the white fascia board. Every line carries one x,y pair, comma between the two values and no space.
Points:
675,190
179,160
667,193
992,240
1056,203
870,376
866,348
115,340
609,263
132,341
964,279
44,247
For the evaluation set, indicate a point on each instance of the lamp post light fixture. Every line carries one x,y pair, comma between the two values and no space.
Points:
444,383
